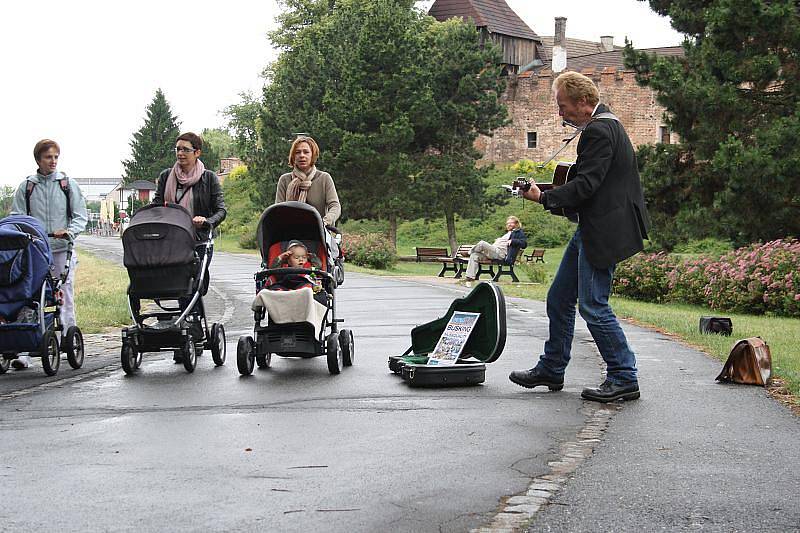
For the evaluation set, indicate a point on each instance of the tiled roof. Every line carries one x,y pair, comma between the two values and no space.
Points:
613,59
495,15
575,47
142,185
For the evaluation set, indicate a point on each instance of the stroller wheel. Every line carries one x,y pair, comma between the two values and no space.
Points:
5,364
218,347
129,357
189,354
346,343
263,360
73,345
51,356
334,352
245,355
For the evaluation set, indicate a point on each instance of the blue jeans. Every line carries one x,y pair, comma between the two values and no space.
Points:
578,280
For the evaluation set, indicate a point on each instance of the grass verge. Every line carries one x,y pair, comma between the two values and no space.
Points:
230,244
100,294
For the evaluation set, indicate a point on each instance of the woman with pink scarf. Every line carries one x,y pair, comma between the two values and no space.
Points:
196,188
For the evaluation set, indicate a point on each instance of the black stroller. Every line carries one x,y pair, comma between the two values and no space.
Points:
300,336
30,300
166,265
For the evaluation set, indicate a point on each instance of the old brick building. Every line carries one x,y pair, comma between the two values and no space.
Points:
535,130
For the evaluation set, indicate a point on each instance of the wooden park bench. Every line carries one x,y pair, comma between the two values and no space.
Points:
537,256
486,266
437,255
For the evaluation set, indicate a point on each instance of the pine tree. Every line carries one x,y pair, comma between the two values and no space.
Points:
734,99
152,147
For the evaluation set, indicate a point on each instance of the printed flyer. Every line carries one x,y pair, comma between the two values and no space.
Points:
455,336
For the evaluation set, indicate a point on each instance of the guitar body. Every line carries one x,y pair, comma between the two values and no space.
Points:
563,173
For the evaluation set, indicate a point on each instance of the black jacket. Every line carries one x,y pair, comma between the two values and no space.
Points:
518,241
607,193
206,196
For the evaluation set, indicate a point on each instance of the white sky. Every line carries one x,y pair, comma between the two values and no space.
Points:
82,72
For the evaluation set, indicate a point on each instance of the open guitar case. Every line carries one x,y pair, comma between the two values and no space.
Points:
485,344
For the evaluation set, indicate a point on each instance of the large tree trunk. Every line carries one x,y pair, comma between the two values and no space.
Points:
450,217
393,231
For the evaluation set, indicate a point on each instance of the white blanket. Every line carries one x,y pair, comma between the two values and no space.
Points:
291,306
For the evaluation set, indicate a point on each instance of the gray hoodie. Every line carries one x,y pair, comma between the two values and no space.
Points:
49,206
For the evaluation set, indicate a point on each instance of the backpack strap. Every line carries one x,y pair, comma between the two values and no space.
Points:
29,185
63,183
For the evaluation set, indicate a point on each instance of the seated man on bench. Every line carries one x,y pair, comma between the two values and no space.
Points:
504,248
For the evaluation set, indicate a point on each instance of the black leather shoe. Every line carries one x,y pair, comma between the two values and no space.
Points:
609,392
535,377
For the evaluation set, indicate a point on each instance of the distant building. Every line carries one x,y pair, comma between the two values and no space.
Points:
142,189
226,165
536,130
95,189
497,23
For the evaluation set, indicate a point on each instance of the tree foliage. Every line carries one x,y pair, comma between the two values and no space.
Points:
152,146
734,99
394,99
217,144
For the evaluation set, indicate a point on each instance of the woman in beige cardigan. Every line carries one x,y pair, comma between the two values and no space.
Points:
307,184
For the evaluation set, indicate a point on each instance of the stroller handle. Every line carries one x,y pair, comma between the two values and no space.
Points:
259,276
70,245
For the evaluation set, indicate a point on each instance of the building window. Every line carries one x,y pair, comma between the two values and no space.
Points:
531,139
664,134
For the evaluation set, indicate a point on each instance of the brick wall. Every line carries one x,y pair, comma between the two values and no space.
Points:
532,108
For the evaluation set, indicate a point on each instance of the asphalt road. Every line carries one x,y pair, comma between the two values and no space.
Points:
293,448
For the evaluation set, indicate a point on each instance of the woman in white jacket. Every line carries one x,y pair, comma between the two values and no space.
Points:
58,203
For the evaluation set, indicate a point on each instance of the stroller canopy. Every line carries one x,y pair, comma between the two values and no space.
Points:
158,236
25,260
288,221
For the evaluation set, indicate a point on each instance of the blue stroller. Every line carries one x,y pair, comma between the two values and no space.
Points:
30,298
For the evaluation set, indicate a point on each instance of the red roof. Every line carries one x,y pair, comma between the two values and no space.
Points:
495,15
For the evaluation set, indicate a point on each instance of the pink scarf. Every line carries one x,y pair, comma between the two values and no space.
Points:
187,181
298,187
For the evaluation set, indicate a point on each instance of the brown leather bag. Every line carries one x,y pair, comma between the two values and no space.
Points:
749,363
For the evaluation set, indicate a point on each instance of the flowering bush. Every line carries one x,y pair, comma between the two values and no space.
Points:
757,279
371,250
644,277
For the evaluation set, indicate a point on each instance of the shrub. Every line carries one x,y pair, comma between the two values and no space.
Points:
644,277
536,272
708,246
371,250
756,279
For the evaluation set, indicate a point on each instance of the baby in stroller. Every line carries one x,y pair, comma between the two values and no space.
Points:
295,311
297,256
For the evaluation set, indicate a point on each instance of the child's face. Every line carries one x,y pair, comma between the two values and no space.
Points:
297,257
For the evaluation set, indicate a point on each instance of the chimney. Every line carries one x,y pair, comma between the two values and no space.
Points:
559,59
606,43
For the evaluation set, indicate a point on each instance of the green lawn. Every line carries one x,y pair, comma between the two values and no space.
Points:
100,294
230,243
681,321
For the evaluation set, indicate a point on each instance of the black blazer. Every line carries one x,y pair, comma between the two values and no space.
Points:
607,193
518,241
206,196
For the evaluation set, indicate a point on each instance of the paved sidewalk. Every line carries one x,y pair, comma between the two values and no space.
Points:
691,454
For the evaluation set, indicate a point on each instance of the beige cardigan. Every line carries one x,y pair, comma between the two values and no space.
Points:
322,195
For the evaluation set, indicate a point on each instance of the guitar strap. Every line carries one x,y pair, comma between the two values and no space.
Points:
605,115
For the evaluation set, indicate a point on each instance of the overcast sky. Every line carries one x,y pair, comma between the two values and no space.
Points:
82,72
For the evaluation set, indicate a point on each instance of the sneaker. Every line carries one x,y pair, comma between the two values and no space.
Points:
21,363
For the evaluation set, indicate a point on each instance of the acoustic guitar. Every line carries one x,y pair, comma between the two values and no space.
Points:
563,173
